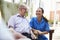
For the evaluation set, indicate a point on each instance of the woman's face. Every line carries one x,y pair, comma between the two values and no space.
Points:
39,13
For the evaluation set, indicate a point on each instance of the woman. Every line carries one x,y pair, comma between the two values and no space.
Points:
40,24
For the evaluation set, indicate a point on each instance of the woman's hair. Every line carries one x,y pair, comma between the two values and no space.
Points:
41,9
43,13
45,19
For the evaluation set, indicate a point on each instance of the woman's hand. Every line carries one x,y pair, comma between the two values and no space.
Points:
35,31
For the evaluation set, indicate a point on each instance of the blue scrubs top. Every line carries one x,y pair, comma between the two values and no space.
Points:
42,26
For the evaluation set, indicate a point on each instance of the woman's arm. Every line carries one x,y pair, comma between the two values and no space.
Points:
41,33
47,29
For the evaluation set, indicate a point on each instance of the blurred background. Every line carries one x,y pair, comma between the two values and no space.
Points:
51,11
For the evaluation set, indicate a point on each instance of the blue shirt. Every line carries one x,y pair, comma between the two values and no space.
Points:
42,26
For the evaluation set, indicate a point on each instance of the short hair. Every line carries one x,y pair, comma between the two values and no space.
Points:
22,6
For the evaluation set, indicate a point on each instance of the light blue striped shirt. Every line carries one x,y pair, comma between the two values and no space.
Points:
20,24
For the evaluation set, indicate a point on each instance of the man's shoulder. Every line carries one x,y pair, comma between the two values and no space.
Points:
14,16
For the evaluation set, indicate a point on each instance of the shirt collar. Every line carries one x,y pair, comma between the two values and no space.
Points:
18,15
42,20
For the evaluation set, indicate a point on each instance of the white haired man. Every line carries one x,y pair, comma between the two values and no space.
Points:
19,25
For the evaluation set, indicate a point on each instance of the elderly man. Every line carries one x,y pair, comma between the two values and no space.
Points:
19,25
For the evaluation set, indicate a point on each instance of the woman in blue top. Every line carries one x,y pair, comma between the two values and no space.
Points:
40,24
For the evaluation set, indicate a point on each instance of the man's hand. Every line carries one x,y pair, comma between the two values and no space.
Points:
33,35
12,30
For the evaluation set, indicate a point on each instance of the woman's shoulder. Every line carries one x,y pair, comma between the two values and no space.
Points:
33,18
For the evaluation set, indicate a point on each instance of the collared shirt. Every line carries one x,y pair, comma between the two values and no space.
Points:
19,23
42,26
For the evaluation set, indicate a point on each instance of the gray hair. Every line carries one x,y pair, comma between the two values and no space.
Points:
22,6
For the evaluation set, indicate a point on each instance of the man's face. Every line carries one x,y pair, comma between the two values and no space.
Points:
23,11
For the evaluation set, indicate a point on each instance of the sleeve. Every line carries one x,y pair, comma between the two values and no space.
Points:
11,22
32,22
47,27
